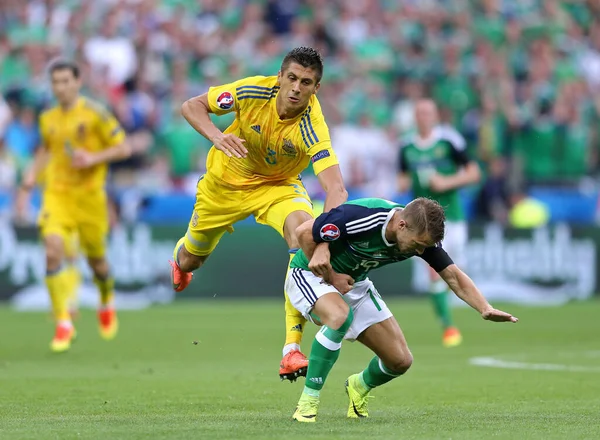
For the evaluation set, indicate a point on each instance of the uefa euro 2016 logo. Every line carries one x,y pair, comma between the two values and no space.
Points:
225,100
330,232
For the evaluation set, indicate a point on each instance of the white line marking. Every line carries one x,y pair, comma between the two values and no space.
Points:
499,363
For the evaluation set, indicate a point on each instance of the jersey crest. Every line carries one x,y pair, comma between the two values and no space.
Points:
288,148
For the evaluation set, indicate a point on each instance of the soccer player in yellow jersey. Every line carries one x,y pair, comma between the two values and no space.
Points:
79,138
253,169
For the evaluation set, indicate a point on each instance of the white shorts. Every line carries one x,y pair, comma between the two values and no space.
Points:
304,288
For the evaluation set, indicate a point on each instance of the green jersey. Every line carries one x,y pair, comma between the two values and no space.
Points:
443,153
355,232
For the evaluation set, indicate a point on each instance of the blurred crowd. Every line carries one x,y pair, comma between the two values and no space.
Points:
520,79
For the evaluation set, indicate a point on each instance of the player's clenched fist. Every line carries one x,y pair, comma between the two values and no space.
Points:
231,145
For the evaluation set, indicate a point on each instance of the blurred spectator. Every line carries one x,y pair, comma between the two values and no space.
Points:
519,78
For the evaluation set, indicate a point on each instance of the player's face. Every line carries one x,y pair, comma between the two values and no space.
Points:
297,84
410,242
65,86
426,116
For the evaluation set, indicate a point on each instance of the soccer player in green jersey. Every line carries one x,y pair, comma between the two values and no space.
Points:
328,284
435,164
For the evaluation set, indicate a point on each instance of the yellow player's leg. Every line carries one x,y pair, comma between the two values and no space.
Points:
93,232
55,226
216,209
285,208
73,273
57,284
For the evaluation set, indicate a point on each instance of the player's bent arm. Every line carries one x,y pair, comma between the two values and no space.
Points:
460,283
117,152
317,253
332,182
196,111
468,175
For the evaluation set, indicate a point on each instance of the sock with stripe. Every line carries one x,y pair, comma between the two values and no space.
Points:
294,321
176,250
323,355
441,305
375,375
58,288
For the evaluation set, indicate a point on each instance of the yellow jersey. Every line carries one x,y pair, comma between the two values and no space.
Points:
277,149
88,125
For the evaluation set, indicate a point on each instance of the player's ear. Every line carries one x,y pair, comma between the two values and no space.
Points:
279,76
317,87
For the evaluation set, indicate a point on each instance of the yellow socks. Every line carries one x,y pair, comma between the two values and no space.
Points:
294,321
73,280
57,283
107,290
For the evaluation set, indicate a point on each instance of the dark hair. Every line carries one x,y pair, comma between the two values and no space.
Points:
306,57
64,65
426,216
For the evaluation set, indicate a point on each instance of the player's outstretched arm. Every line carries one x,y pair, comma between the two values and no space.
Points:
196,111
332,182
465,289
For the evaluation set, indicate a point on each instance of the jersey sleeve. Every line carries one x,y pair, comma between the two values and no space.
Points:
458,146
402,164
346,220
43,130
230,97
316,138
109,129
437,257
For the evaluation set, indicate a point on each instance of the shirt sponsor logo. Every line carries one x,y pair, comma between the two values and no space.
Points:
320,155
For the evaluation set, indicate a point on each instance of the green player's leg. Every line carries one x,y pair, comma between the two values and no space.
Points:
393,359
337,317
439,294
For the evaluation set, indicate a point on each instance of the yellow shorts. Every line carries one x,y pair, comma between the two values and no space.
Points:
219,206
84,215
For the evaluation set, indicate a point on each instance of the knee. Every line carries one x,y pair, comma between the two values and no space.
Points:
54,254
99,266
400,363
341,317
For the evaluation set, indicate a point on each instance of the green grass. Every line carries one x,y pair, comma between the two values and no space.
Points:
153,382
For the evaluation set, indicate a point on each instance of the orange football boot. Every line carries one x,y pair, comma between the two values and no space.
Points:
108,323
452,337
293,365
63,337
179,278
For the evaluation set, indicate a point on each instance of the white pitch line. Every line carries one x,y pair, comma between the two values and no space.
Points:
499,363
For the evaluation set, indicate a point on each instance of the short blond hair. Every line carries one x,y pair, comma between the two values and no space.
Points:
426,216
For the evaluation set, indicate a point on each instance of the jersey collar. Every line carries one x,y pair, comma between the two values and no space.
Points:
387,220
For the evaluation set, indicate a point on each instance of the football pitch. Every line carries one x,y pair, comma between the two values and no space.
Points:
538,379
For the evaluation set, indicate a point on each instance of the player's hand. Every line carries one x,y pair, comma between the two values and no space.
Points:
231,145
438,183
22,205
320,263
342,282
496,315
83,159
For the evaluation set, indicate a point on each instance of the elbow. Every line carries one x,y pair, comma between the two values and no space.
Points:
339,192
475,173
185,109
126,151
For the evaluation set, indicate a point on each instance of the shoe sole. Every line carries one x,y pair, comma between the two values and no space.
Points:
293,376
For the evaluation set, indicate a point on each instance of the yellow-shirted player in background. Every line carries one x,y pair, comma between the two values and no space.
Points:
253,169
79,138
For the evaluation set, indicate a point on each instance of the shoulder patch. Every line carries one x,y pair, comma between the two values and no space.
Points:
225,100
329,232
